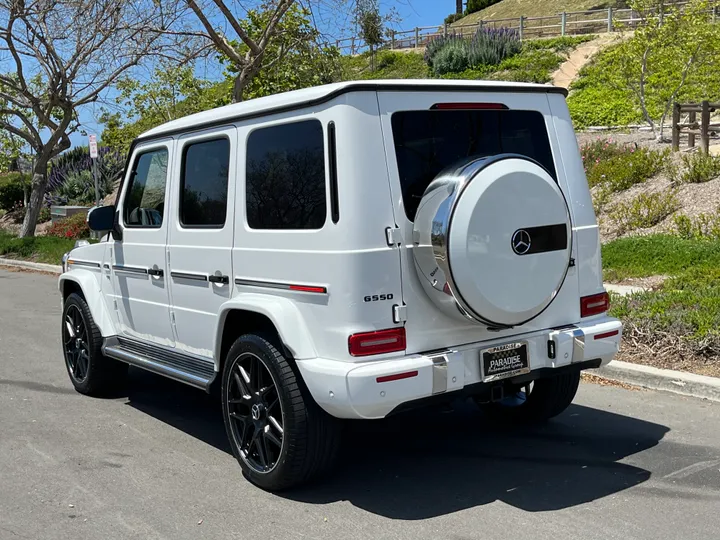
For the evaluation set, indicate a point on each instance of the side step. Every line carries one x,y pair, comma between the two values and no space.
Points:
184,368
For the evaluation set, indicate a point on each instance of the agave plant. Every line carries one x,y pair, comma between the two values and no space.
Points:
71,180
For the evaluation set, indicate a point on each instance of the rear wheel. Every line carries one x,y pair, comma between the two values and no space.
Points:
278,434
90,371
536,401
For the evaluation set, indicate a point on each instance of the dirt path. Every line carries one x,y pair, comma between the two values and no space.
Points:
569,69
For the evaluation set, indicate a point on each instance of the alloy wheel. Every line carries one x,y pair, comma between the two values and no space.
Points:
75,339
256,416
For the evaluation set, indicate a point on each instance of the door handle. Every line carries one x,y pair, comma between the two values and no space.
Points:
219,279
155,272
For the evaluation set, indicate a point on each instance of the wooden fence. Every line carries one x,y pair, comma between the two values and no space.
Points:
691,127
594,21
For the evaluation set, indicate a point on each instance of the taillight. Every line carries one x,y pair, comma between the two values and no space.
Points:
594,305
381,342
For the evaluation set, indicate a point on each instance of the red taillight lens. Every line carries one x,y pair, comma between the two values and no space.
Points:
594,305
468,106
381,342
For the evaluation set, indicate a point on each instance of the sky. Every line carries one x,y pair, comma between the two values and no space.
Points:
411,13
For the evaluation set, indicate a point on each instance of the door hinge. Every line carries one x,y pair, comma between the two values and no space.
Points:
393,237
572,263
399,313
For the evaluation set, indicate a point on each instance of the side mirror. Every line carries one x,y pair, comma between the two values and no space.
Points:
102,219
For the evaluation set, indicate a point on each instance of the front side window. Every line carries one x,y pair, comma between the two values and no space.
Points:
204,183
144,204
285,177
426,142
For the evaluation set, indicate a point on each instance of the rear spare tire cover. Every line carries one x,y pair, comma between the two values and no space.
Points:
493,240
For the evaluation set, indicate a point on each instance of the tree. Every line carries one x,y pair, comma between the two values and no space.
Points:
172,92
247,63
59,56
300,59
667,50
371,25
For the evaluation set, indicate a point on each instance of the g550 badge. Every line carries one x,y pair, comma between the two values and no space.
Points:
378,297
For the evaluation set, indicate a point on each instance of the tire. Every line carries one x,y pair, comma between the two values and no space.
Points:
546,399
90,372
307,445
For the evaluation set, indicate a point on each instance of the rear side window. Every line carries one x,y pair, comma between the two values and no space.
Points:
144,205
426,142
204,184
285,177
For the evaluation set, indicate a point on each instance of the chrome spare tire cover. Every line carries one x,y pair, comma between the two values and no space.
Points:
492,240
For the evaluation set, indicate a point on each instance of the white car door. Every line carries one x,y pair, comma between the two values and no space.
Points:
201,236
138,262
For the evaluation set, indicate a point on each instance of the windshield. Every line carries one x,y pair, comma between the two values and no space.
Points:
426,142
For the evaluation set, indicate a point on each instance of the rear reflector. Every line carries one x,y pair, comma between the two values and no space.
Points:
594,305
305,288
607,334
381,342
397,376
468,106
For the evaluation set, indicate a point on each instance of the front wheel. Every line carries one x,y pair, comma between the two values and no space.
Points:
279,435
536,401
90,371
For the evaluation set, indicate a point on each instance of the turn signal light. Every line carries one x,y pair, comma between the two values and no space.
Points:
381,342
594,305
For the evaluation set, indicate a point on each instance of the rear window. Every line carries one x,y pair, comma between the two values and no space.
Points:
426,142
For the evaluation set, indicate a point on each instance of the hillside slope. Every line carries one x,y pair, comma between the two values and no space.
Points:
532,8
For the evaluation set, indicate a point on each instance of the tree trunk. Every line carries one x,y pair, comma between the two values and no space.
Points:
39,185
459,7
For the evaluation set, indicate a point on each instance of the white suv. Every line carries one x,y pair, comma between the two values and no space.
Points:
348,251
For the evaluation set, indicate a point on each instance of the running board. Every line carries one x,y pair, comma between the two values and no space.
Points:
184,368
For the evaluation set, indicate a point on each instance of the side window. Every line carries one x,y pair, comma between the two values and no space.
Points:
144,204
204,183
285,177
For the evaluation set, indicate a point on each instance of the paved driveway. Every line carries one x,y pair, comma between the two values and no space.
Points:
154,463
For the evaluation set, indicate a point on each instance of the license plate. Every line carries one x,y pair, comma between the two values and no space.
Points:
505,361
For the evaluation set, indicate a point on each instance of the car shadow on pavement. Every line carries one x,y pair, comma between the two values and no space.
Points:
432,462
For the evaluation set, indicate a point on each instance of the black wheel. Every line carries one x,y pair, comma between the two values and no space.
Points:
277,432
536,401
90,371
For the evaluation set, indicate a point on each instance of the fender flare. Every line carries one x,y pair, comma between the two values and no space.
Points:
90,287
283,314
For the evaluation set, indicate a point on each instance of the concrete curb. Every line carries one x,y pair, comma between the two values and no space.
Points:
53,268
667,380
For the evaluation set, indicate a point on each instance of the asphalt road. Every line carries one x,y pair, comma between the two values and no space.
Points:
154,462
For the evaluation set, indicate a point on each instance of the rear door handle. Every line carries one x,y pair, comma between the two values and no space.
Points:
219,279
155,272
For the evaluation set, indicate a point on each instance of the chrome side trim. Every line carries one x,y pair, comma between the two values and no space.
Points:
578,344
89,264
130,269
189,276
281,286
439,374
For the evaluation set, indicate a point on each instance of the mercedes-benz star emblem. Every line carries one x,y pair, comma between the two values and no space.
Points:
256,411
521,242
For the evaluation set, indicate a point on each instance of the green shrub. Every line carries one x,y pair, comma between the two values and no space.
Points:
697,168
644,211
74,227
453,17
490,46
38,248
11,190
388,65
452,58
623,167
477,5
702,226
44,215
562,45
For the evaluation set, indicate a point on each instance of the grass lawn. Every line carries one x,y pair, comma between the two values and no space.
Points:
43,249
644,256
676,325
532,8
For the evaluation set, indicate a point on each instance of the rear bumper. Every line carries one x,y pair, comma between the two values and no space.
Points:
352,390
